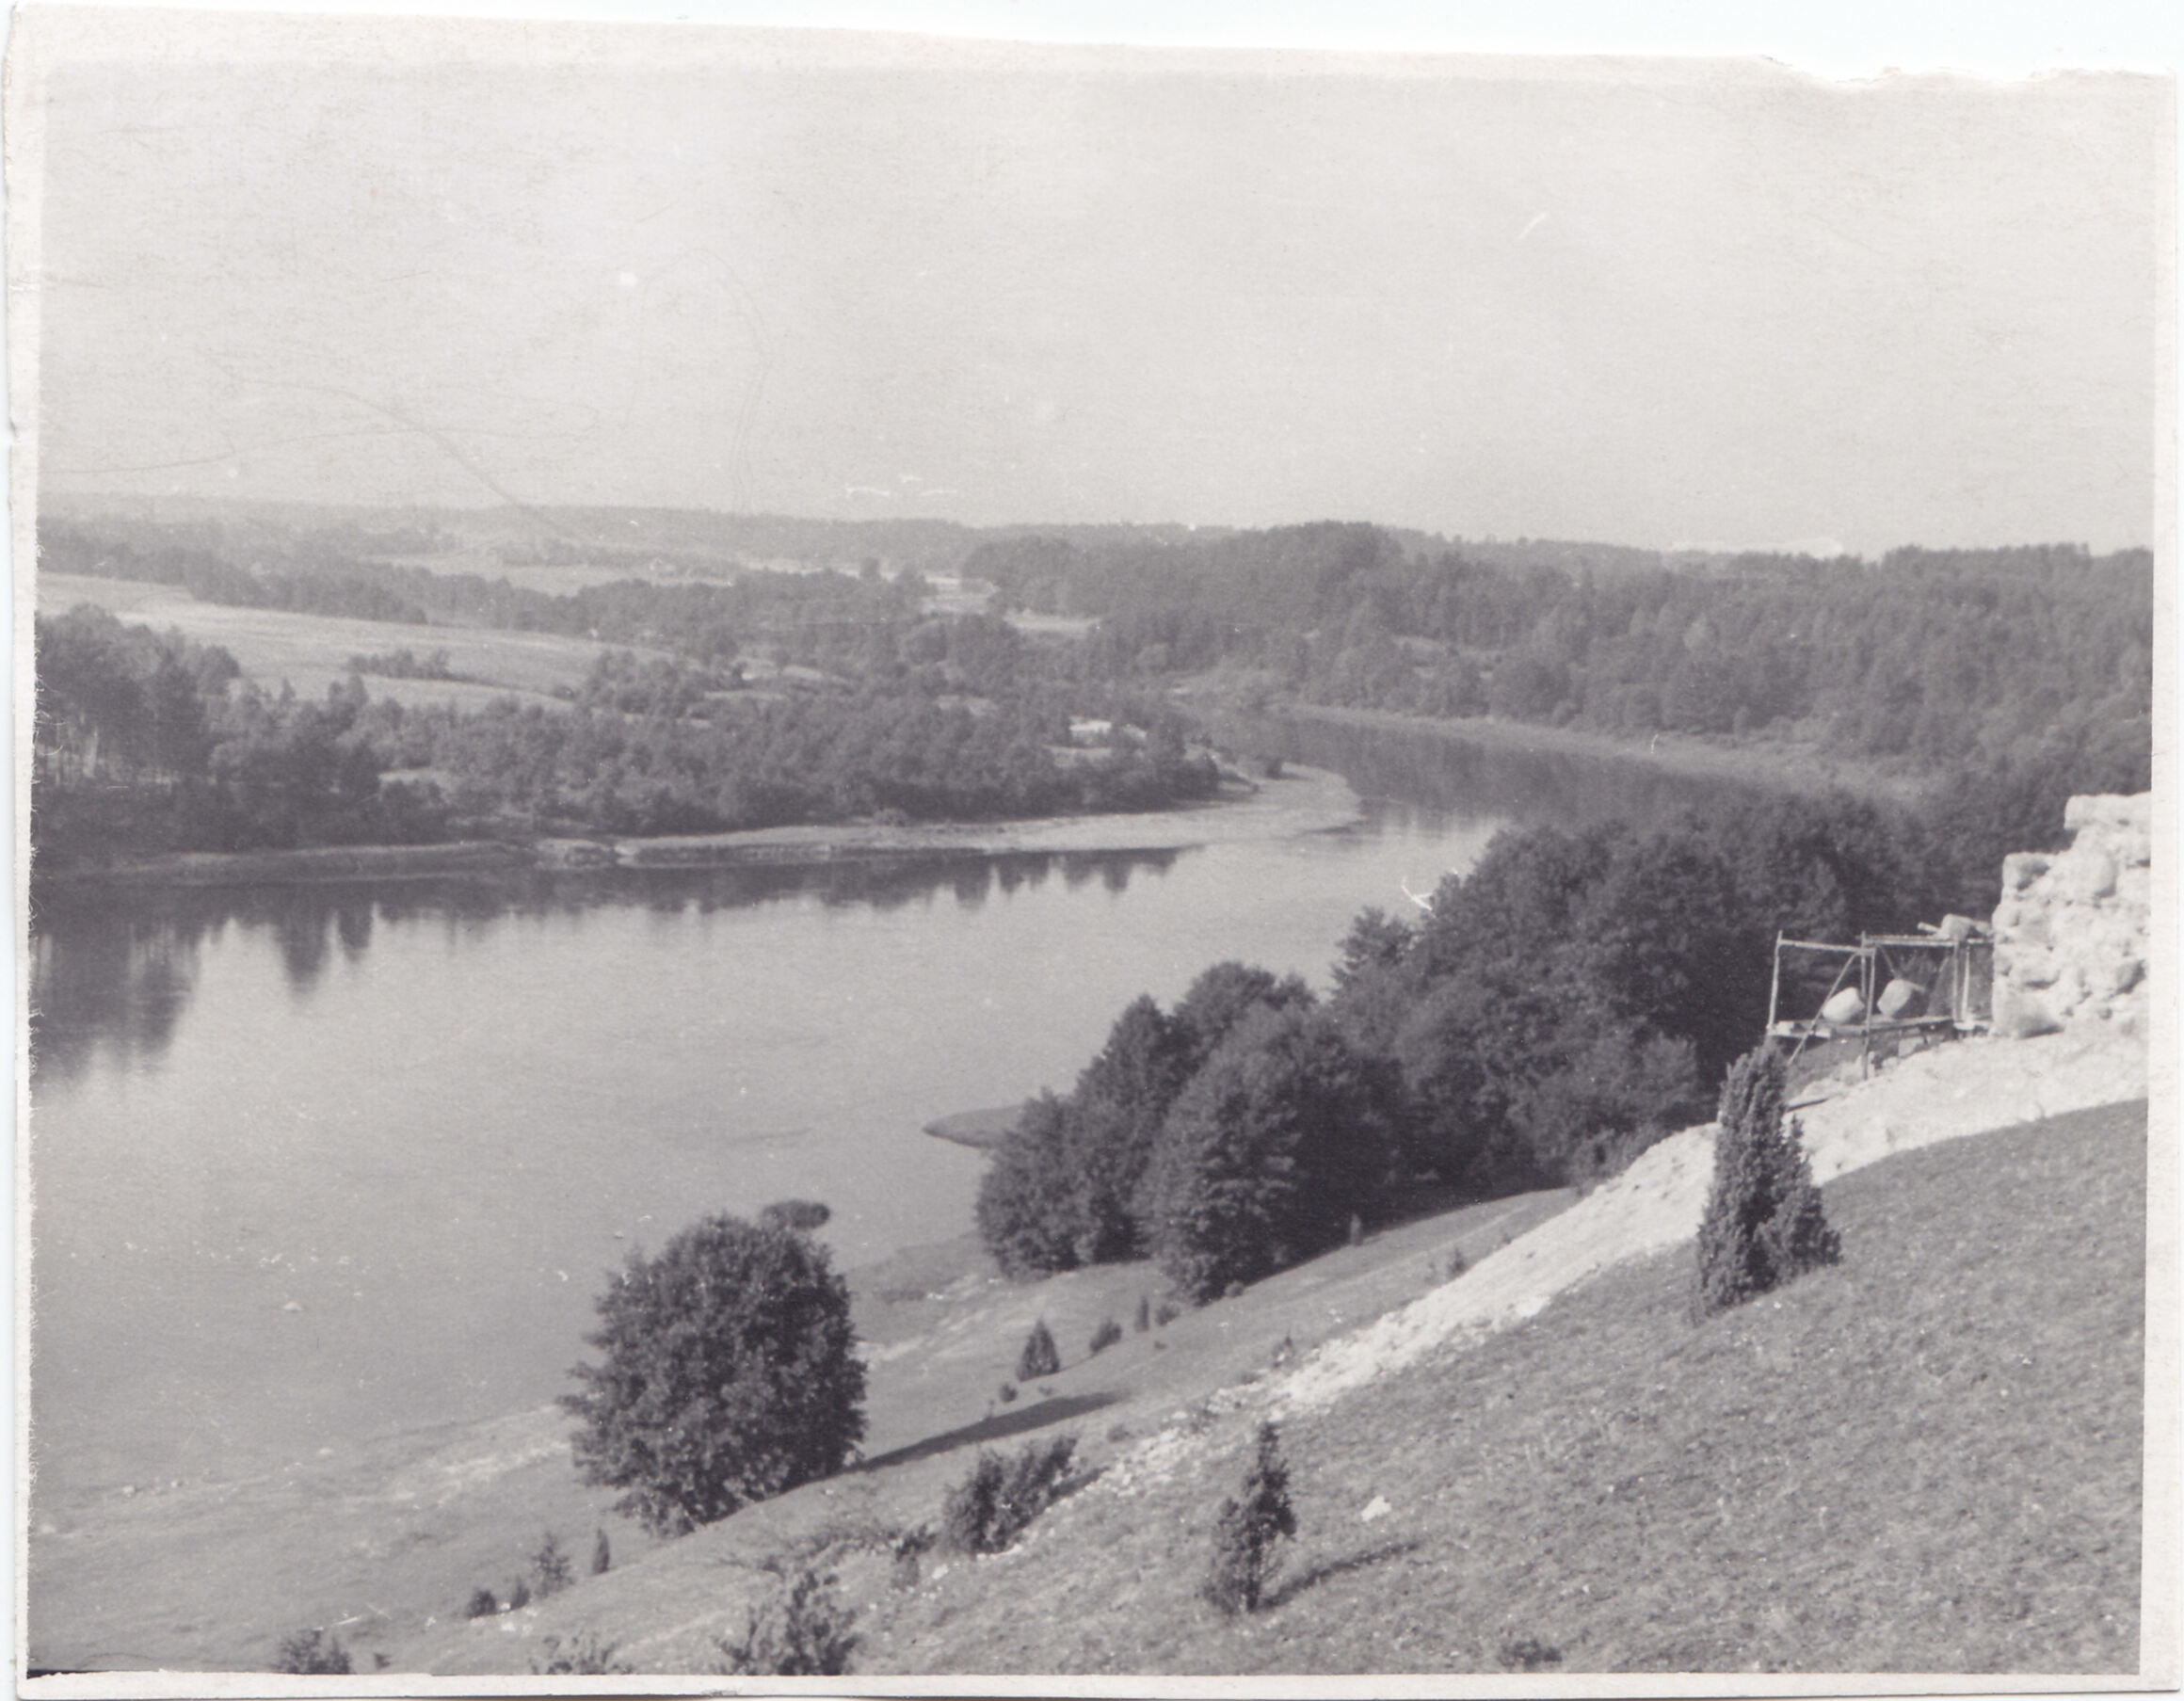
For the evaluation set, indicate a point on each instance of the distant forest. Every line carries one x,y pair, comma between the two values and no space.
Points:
1942,657
2008,678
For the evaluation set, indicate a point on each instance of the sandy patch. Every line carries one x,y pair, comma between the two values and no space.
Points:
1969,1087
1304,801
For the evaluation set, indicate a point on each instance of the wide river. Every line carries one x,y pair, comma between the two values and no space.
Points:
312,1163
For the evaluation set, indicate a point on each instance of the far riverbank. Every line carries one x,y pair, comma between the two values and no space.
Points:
1778,766
1302,800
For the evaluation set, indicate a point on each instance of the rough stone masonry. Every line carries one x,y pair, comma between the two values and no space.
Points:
2070,932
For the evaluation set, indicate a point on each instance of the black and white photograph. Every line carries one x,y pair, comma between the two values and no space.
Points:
881,862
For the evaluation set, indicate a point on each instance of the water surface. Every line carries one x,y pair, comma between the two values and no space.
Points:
315,1163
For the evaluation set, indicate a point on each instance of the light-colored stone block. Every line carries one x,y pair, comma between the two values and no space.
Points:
2110,810
2021,1015
2022,868
2083,875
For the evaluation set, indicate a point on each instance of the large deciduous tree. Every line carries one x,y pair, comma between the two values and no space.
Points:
1268,1154
729,1375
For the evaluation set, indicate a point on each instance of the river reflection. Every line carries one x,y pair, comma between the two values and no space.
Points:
316,1162
1426,774
112,970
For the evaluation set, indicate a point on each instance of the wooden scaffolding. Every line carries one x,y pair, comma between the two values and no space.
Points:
1911,990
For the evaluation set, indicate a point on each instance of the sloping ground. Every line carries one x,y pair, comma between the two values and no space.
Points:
1927,1458
204,1576
1504,1425
385,1545
1938,1095
940,1335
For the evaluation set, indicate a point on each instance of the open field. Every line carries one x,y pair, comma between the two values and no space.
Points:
557,580
312,652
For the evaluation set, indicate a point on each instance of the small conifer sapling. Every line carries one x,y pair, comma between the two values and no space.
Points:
1040,1356
1763,1224
550,1566
1247,1531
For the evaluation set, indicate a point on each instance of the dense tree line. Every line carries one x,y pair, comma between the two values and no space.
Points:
1563,1006
148,742
2025,673
1934,654
2018,661
2016,677
799,758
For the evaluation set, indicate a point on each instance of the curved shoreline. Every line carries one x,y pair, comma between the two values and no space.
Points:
1305,800
980,1130
1779,766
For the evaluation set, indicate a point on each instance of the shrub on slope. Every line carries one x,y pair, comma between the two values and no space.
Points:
1927,1458
1763,1223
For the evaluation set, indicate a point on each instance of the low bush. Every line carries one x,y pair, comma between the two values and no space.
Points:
483,1603
1144,1317
550,1566
314,1653
910,1549
1165,1315
1528,1654
1006,1393
602,1554
1105,1335
579,1657
1246,1531
519,1594
802,1217
802,1632
1040,1356
993,1505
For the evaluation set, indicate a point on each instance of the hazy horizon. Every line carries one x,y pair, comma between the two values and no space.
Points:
1661,304
177,505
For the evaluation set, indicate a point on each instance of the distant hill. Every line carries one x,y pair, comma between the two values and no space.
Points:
928,545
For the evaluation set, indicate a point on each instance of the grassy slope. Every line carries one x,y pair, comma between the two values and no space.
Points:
393,1535
940,1336
1925,1459
1928,1458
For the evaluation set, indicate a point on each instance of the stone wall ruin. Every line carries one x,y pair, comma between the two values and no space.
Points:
2071,930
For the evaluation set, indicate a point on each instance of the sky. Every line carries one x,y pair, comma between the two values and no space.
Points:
1660,303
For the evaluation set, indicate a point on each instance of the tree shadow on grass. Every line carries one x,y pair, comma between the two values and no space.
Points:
997,1428
1336,1568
